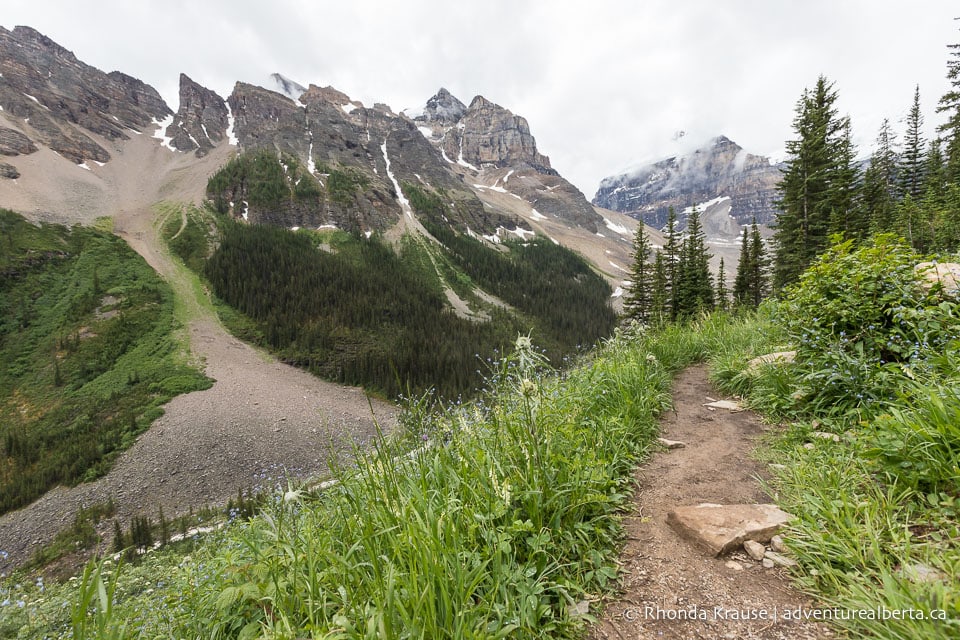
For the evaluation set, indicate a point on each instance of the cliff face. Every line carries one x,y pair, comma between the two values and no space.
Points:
52,99
201,121
720,169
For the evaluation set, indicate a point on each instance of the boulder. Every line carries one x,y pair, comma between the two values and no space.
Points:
777,357
722,528
754,549
945,275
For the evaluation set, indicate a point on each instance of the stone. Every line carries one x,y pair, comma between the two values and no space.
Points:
732,564
809,446
754,549
9,171
582,608
824,435
768,563
942,275
919,572
776,543
730,405
14,143
777,357
671,444
779,559
201,121
722,528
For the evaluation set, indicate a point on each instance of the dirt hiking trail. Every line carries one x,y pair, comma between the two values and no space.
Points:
666,574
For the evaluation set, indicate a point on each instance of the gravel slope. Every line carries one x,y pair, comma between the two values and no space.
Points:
260,422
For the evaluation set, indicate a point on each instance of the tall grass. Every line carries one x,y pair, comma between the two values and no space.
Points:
491,519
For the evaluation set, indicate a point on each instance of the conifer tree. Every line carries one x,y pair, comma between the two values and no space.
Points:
694,290
950,104
741,282
818,183
671,257
118,540
759,265
636,303
660,310
913,161
878,195
721,295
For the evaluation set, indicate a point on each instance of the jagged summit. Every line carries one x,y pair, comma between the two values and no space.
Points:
202,120
719,169
444,107
56,101
290,88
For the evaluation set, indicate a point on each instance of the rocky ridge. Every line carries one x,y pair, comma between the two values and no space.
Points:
202,120
720,169
54,100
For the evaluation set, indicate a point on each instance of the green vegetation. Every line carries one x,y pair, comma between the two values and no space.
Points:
869,462
678,284
539,278
89,356
491,519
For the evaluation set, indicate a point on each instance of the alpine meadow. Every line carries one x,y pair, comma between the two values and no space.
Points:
283,365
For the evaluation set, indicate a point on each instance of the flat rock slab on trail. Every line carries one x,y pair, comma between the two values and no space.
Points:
673,588
722,528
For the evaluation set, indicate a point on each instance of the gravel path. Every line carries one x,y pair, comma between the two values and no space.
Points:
260,422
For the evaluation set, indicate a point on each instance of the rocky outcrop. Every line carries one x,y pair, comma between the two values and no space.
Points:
490,136
443,108
14,143
60,100
721,168
8,171
201,122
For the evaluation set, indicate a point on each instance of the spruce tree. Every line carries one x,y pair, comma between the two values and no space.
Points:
950,105
119,543
636,304
878,195
671,256
721,295
913,161
694,290
741,282
659,295
759,265
818,183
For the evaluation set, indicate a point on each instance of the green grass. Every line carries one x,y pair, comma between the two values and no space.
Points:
90,349
483,520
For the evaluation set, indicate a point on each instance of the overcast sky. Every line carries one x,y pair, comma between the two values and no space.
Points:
604,85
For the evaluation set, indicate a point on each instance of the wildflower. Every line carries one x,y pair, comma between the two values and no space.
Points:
524,343
652,359
292,496
528,387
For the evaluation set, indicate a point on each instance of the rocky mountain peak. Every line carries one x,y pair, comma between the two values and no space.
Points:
201,121
493,136
721,168
57,101
444,107
286,86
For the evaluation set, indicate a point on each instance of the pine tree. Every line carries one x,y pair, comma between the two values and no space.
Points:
741,282
671,256
818,184
878,196
636,304
950,104
913,161
721,296
694,289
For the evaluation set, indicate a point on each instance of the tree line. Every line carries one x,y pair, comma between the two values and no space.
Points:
909,188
